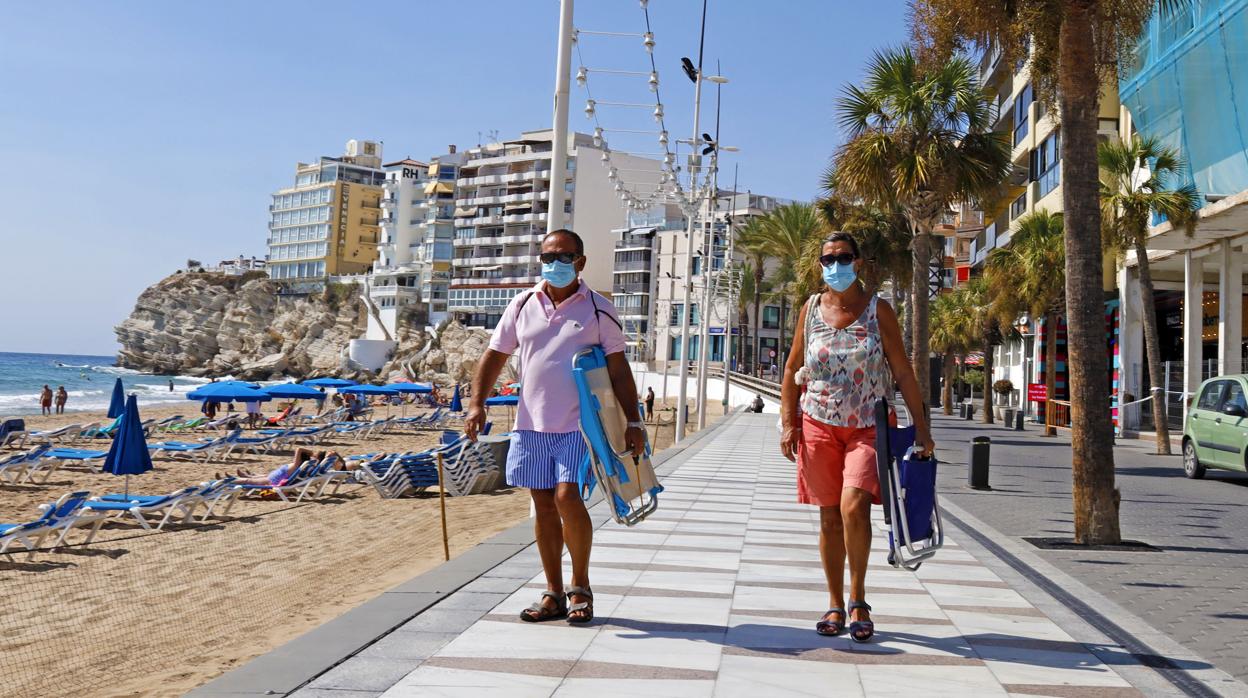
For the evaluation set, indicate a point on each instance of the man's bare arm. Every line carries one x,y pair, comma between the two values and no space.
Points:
488,370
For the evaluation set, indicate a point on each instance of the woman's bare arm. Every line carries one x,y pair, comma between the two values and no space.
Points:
789,391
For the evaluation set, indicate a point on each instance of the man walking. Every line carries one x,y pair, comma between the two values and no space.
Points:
547,326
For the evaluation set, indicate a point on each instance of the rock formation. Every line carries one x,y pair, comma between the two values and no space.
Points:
205,324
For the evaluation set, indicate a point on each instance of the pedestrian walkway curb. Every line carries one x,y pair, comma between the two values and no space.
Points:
293,665
1150,660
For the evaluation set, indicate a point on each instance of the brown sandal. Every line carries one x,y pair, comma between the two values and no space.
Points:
539,612
585,608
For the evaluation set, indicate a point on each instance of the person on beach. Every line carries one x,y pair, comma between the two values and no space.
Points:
547,326
253,413
61,398
279,475
171,385
650,404
757,405
846,343
45,401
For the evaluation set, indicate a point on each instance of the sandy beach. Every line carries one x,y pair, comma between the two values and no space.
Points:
156,614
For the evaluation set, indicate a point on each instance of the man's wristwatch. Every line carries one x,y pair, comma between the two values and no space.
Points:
636,425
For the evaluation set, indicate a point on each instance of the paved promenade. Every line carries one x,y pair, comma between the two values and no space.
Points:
717,594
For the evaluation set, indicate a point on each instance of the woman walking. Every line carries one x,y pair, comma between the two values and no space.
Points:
844,347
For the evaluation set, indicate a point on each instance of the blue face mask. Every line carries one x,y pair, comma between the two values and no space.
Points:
559,274
839,276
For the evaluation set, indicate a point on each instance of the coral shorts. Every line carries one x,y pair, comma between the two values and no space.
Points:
832,458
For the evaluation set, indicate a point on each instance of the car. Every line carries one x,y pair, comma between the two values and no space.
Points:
1215,433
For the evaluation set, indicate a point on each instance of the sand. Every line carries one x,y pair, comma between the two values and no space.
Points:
156,614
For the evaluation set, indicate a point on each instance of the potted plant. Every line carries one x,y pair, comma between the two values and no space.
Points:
1003,388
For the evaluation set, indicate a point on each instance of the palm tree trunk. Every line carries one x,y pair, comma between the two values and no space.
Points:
946,395
1092,444
1152,346
758,340
1050,373
918,313
781,352
989,417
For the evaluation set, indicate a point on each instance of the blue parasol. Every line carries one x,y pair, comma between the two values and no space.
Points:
411,387
329,383
228,392
117,405
503,400
128,455
457,404
293,391
369,390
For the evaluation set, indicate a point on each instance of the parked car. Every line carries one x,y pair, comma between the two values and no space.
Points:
1215,432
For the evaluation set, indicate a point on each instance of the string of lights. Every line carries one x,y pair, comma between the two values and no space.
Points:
635,193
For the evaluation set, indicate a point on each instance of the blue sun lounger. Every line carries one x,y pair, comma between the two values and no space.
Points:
908,493
629,483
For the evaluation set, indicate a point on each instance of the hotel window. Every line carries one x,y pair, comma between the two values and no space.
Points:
1021,113
771,317
1046,165
1018,206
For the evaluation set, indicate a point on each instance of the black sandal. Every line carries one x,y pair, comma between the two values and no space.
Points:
540,612
861,630
584,608
831,628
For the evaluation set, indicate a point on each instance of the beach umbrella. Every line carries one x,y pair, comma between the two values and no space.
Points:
117,405
228,392
328,383
457,404
128,455
503,400
293,391
411,387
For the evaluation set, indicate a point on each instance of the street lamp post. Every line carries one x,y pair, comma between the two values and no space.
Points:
559,144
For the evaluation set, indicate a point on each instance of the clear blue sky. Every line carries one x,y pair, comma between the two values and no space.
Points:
134,135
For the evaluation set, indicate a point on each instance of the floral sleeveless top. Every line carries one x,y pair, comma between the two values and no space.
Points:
846,372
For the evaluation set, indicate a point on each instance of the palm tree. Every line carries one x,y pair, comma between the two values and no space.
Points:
919,138
1028,277
1134,176
791,234
952,335
1072,45
750,241
746,296
883,235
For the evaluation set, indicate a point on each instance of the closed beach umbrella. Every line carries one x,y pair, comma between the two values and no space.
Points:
117,405
457,404
329,383
294,391
228,392
128,455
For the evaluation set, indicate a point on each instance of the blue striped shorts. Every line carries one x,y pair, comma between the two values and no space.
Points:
539,461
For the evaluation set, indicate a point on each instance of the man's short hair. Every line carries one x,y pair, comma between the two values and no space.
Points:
580,244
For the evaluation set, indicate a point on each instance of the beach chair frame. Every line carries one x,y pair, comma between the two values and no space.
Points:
904,551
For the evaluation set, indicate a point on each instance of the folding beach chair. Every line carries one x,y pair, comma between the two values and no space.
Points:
629,483
908,493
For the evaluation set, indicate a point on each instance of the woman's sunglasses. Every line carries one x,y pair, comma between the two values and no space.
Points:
552,257
846,258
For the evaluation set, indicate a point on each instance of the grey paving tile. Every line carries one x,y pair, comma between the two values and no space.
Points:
443,620
405,644
365,674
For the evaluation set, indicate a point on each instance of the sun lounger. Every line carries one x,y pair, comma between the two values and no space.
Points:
181,502
14,467
164,424
84,430
202,451
63,515
13,431
54,458
66,433
102,433
212,494
298,484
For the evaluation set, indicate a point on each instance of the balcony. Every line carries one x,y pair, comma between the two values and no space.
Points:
621,267
394,291
505,199
642,287
461,281
500,240
495,179
485,261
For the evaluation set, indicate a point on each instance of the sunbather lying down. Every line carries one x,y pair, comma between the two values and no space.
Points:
279,475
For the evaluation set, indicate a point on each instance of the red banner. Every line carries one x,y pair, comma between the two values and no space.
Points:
1036,392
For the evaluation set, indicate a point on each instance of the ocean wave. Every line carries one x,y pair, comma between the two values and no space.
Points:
115,370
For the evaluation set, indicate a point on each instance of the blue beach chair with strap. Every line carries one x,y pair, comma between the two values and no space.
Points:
908,493
629,484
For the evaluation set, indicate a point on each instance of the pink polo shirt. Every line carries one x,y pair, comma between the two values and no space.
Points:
547,338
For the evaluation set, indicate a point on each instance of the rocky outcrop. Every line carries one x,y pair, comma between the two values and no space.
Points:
204,324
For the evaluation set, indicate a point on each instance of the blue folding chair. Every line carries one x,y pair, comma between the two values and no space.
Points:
908,493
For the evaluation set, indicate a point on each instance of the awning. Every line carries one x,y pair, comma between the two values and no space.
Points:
466,212
439,188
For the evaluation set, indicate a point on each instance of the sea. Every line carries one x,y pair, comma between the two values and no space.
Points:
87,379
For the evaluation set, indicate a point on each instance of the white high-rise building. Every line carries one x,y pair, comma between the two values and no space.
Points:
500,218
395,281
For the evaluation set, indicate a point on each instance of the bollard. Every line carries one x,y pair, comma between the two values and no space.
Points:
1019,417
977,459
1008,412
970,411
961,410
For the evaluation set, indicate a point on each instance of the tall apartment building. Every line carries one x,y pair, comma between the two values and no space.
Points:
500,213
327,223
671,260
395,281
635,276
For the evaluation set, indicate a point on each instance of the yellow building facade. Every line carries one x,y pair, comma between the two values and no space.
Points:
327,224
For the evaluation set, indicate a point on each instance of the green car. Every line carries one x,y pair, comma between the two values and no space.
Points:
1216,431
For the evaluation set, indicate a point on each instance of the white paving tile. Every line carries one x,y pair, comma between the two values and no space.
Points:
766,677
635,688
885,680
553,640
442,682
